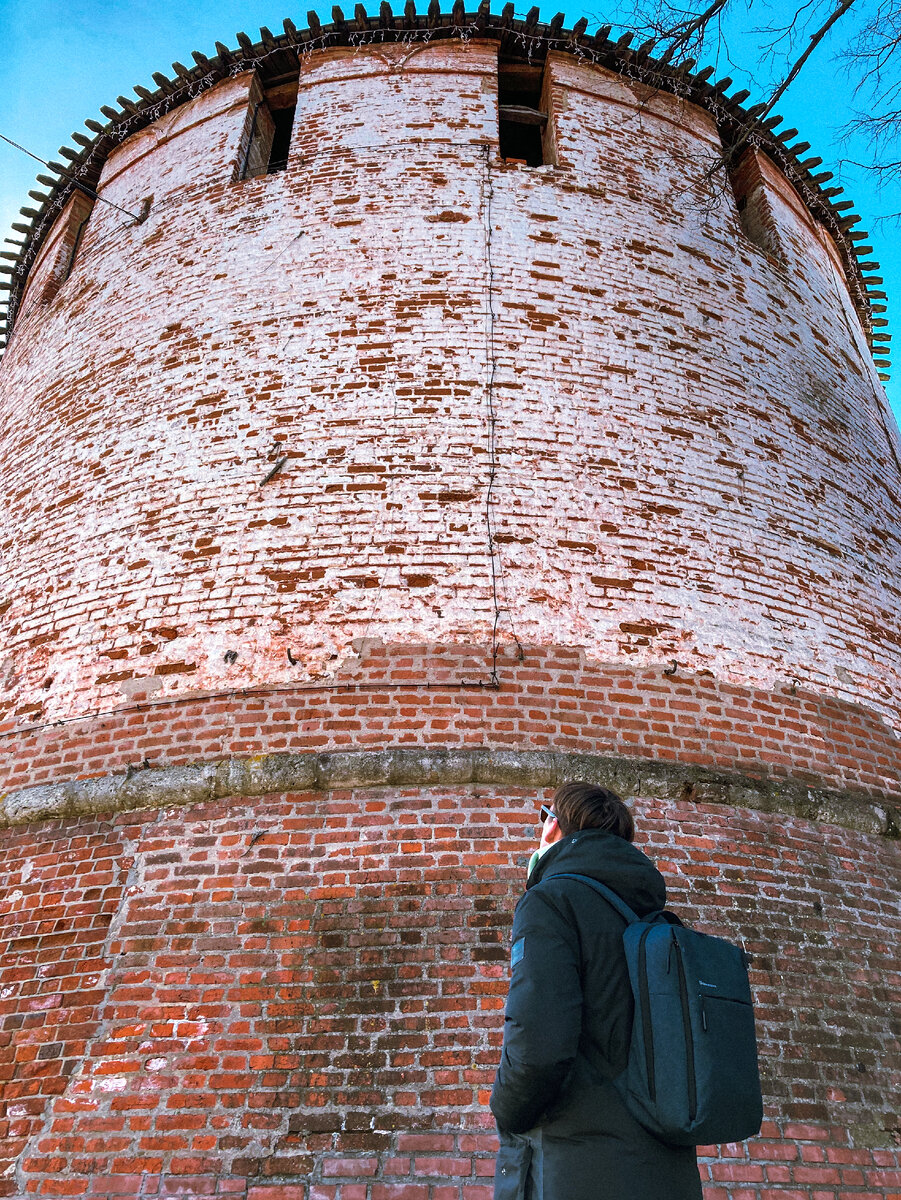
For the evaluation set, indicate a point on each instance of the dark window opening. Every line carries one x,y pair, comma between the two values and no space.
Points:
143,210
266,143
283,122
76,244
522,122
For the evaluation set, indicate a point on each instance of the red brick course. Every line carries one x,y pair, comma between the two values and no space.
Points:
555,698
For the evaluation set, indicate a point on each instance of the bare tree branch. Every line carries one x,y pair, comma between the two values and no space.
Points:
815,38
679,29
875,57
681,36
692,28
782,33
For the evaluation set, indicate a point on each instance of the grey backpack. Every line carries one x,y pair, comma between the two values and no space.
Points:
692,1077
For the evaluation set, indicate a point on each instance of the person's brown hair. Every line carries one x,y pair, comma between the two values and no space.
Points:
585,806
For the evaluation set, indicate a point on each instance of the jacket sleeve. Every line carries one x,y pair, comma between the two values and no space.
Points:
543,1016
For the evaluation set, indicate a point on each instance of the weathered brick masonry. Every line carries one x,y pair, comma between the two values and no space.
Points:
347,509
311,984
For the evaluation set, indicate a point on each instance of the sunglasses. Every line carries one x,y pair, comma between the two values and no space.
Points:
547,812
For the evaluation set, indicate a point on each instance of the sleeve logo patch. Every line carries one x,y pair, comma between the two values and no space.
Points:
519,950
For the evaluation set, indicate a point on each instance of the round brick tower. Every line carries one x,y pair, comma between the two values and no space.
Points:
397,422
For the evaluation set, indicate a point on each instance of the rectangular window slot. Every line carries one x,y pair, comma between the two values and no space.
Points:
75,224
522,122
270,122
76,242
754,206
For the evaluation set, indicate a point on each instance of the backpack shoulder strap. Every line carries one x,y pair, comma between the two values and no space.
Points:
609,895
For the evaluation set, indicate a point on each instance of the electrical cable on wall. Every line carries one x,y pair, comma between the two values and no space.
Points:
491,364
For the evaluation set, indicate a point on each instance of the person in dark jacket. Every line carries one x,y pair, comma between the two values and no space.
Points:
565,1133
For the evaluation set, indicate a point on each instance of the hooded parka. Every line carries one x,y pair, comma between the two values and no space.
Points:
565,1133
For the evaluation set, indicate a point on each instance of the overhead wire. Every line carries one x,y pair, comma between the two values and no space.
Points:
83,187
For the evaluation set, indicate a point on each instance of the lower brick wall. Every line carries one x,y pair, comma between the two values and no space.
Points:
789,1162
301,996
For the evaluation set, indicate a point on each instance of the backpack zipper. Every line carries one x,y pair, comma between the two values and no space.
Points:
646,1030
689,1039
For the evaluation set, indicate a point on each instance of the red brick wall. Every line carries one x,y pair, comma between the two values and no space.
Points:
305,992
691,471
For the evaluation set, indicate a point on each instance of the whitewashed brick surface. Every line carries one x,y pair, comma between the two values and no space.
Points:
694,458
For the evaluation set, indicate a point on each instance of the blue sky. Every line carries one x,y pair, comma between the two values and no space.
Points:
67,57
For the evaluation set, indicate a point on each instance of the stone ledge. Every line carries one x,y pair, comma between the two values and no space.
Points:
259,775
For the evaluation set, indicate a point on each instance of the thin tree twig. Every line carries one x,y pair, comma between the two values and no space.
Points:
683,36
815,39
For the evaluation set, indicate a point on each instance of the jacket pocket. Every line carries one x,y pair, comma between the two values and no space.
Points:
512,1170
